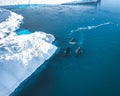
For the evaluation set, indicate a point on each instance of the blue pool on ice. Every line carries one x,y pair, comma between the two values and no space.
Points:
96,72
23,32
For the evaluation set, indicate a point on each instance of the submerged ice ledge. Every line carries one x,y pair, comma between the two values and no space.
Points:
20,55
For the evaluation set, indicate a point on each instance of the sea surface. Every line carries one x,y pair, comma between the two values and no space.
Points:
96,29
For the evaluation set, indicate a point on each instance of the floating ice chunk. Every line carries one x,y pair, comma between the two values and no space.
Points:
18,60
20,55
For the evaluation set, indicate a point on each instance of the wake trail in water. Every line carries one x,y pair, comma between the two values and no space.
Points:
80,34
90,27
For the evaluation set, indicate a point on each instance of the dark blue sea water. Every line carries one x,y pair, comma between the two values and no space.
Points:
96,29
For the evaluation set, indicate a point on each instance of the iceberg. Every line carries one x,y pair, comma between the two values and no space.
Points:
30,2
82,2
20,55
22,2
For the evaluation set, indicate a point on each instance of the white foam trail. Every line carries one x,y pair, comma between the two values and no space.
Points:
90,27
20,55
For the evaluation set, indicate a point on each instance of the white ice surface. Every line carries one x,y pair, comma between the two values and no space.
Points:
18,2
20,55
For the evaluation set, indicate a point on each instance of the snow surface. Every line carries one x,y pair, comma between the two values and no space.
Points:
18,2
20,55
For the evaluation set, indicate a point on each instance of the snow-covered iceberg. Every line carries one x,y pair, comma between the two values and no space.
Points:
19,2
20,55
